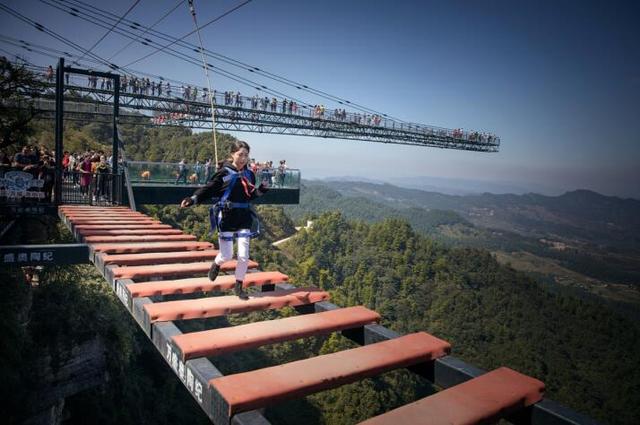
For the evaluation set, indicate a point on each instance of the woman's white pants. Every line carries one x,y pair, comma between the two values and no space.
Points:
226,252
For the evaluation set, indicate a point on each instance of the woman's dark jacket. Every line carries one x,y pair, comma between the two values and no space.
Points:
233,219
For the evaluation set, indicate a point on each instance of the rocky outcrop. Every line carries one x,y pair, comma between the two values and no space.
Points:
79,369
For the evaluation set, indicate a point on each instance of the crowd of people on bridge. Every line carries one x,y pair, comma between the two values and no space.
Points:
473,136
238,107
90,172
148,87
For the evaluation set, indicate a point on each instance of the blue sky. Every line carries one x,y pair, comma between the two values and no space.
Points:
559,81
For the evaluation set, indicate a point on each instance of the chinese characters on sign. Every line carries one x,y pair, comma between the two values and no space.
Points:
185,374
27,257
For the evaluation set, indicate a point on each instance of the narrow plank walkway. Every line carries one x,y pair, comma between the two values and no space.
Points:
145,261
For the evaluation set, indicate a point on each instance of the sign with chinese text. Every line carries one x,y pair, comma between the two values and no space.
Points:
16,184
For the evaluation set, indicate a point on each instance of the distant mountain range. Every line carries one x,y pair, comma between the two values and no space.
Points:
580,216
455,186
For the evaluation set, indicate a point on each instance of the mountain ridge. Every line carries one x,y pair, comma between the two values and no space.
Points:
585,215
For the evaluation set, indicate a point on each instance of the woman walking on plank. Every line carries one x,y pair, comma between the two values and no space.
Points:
232,188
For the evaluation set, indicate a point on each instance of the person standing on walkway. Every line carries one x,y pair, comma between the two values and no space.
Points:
181,176
85,175
232,188
208,167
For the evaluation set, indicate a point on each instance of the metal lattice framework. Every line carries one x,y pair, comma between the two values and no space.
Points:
163,110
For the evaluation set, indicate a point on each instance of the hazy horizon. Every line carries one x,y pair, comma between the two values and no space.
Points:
457,186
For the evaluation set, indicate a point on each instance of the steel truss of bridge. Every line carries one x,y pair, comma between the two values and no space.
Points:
81,101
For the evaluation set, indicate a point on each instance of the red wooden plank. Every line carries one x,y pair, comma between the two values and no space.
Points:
171,270
115,207
481,400
159,258
219,306
227,340
117,232
74,216
102,220
134,248
260,388
202,284
116,226
103,214
138,238
89,208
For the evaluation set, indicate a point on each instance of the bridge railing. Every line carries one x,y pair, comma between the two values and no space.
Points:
163,173
92,188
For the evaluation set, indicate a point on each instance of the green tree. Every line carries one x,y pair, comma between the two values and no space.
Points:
16,109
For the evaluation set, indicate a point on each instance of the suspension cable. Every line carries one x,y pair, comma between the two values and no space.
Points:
148,29
255,69
187,35
188,59
135,3
228,74
177,54
44,50
47,51
192,9
53,34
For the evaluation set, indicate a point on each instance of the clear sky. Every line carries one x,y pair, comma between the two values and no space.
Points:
558,81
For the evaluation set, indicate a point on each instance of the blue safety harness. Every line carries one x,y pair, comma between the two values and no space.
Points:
222,204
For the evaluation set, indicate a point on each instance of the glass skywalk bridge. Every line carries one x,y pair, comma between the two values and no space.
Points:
163,183
187,107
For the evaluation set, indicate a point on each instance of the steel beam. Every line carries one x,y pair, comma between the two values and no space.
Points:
57,188
115,145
